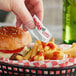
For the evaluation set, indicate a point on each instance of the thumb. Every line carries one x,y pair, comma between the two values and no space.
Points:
22,12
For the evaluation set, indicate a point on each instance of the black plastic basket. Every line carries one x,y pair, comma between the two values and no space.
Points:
8,69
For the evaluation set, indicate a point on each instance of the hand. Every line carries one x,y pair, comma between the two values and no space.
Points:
24,10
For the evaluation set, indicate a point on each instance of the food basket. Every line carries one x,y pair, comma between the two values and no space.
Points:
34,71
66,67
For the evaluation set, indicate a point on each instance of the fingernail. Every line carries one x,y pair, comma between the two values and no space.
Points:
31,25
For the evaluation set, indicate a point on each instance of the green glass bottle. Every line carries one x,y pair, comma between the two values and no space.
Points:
69,21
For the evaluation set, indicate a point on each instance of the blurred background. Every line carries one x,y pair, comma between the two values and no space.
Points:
52,18
52,13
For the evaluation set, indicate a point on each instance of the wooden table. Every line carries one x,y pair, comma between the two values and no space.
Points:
56,31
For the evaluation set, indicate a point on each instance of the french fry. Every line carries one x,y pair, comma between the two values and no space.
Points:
48,54
39,58
71,52
52,39
28,55
73,45
60,56
34,50
18,57
58,49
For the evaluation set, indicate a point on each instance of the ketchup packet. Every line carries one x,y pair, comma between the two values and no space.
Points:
40,32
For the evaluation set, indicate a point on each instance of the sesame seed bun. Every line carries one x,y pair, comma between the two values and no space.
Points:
12,38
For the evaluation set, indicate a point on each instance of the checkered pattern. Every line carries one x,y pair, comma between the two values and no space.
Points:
47,63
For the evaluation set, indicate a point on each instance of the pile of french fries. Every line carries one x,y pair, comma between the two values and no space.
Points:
47,51
71,52
43,51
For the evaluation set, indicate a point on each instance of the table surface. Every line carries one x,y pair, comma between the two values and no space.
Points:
56,31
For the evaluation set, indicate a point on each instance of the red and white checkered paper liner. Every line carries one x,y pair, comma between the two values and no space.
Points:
47,63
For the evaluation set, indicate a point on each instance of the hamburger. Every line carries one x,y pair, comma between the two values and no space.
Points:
13,40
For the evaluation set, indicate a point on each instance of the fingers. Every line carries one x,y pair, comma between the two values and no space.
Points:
38,8
20,9
24,28
19,22
30,8
5,5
